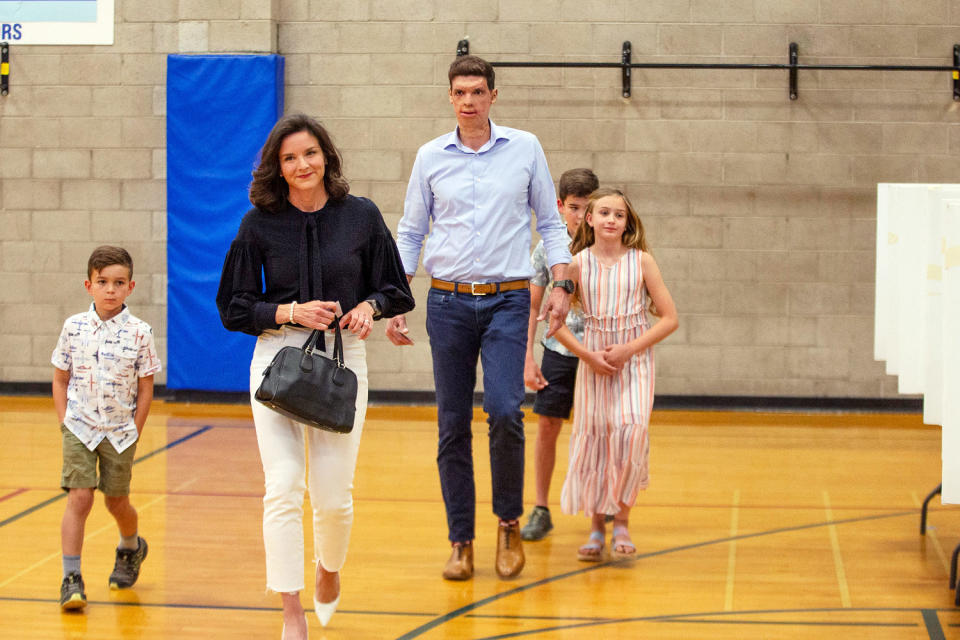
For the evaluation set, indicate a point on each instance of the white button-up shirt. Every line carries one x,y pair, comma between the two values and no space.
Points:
105,360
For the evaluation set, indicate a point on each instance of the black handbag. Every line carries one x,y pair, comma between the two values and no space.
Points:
310,388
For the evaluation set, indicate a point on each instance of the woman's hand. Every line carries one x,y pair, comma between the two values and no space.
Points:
359,320
617,355
595,360
316,314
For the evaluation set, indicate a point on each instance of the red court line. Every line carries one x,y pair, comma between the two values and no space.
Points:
15,493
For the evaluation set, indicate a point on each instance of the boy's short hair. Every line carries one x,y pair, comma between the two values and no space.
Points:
471,66
105,256
579,183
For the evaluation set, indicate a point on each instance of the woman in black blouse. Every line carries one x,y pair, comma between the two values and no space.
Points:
306,246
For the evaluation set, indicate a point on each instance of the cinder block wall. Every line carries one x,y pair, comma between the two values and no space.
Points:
760,210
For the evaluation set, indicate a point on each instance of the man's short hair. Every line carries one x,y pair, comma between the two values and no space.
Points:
105,256
579,183
471,66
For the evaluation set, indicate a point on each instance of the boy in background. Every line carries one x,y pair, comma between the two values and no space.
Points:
554,379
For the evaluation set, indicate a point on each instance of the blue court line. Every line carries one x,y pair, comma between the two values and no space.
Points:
601,565
212,607
63,494
505,616
929,615
932,621
798,623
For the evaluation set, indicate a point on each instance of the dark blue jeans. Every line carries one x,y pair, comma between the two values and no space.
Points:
462,328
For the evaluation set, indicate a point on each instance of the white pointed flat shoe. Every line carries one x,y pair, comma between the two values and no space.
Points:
324,610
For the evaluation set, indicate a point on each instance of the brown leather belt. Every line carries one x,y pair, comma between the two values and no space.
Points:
479,288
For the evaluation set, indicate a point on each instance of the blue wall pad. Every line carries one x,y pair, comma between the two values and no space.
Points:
219,111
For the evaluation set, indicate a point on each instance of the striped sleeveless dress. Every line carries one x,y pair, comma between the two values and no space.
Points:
609,446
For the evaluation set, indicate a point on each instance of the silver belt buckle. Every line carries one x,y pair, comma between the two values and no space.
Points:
473,289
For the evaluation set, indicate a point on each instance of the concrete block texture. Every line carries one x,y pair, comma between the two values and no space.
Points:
243,36
259,9
193,37
16,163
210,9
149,10
122,163
758,209
136,37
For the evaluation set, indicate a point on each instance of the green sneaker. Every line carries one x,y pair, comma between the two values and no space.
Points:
72,596
126,569
538,526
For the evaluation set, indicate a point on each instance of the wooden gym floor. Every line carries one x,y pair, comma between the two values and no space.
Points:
755,526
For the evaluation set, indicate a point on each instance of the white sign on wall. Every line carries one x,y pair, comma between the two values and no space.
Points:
56,21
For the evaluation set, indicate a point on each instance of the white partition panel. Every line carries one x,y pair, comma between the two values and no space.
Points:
907,217
882,289
951,353
939,195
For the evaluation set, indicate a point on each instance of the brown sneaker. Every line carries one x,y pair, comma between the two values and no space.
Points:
460,564
509,550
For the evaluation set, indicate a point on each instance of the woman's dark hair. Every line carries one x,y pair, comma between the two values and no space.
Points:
269,190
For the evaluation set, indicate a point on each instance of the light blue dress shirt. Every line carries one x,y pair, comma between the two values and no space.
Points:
478,204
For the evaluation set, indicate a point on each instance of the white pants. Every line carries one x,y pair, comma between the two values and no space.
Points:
333,457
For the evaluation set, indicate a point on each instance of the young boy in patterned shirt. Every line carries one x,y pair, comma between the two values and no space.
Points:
104,364
554,381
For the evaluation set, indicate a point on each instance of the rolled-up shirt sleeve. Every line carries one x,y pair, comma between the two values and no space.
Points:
543,201
415,223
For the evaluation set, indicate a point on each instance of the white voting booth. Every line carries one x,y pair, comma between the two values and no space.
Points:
918,306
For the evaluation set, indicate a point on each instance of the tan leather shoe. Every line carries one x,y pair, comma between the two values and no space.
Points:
460,564
509,550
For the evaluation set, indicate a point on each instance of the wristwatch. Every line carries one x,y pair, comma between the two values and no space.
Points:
377,312
566,285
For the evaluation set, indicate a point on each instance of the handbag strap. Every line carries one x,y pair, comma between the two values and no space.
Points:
311,344
338,345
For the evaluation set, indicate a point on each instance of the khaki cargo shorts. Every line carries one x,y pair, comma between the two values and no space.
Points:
80,466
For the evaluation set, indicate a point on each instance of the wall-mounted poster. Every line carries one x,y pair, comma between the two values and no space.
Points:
56,21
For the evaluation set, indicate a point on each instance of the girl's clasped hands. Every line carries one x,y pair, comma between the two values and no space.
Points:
610,360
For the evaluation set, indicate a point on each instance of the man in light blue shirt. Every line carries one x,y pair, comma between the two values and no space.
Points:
472,191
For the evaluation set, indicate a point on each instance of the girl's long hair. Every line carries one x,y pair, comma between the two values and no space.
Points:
634,236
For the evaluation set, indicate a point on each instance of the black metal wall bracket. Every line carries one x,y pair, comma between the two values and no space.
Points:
4,68
794,59
792,66
956,73
626,52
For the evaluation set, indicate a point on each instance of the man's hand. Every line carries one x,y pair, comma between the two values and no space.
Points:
558,304
532,376
397,331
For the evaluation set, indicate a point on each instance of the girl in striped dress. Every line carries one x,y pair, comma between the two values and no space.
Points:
617,279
